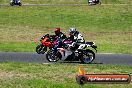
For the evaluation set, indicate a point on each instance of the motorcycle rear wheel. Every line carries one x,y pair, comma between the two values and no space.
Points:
52,57
87,57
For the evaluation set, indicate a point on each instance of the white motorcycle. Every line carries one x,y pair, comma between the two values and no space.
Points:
94,2
85,55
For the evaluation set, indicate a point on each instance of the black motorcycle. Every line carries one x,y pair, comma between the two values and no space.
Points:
94,2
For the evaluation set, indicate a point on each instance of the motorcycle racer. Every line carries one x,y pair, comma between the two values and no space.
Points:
15,2
59,34
60,37
77,39
94,2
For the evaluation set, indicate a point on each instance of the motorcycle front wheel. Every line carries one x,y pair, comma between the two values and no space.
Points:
20,4
99,3
87,56
12,3
40,49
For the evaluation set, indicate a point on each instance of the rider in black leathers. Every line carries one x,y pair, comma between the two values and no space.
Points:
59,34
60,37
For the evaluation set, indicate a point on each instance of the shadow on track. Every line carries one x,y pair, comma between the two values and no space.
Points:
78,62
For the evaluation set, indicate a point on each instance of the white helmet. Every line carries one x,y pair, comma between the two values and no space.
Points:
72,31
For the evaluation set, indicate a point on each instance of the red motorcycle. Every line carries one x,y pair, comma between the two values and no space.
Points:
46,41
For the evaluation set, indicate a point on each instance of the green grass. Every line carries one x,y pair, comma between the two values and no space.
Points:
18,47
109,26
27,75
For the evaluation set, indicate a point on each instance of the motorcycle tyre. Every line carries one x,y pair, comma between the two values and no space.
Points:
48,55
88,51
40,51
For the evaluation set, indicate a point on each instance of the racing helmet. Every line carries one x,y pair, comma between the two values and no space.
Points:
72,31
57,30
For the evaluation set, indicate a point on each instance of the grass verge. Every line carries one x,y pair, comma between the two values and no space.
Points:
27,75
18,47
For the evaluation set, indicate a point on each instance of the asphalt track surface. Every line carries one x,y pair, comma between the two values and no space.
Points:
119,59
